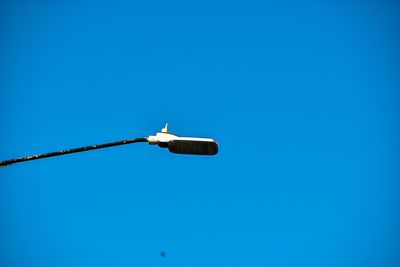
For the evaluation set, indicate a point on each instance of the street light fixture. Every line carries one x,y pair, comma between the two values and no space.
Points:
176,144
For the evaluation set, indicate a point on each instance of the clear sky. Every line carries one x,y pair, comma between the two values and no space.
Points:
303,99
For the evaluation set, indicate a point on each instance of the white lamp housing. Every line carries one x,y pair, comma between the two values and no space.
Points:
184,145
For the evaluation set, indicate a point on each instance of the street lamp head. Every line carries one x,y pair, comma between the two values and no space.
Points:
184,145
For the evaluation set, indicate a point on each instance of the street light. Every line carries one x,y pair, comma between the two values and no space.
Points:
176,144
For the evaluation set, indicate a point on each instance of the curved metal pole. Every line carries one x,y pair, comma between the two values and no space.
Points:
70,151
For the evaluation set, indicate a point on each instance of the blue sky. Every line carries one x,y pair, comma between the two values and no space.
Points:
302,97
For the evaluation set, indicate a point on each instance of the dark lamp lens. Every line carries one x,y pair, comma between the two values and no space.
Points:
193,147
